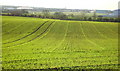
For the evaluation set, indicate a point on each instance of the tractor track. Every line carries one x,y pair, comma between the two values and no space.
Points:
28,34
35,37
87,38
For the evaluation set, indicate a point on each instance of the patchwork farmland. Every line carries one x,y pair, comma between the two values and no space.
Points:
33,43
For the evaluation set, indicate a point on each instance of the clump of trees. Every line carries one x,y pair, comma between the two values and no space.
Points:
16,12
19,12
45,14
62,16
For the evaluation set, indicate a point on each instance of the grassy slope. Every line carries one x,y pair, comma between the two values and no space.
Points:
62,44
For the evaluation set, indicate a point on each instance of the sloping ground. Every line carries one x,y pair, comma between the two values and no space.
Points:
33,43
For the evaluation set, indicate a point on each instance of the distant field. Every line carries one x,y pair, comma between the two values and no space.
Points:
79,13
33,43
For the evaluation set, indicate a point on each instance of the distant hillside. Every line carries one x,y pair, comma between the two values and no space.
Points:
103,13
40,9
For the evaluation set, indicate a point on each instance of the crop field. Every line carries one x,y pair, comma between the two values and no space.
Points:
34,43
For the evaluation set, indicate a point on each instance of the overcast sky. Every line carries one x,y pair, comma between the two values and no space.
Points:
69,4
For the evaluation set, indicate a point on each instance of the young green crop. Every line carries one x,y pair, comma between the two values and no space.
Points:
59,44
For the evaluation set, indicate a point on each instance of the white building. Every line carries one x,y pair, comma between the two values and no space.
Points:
24,7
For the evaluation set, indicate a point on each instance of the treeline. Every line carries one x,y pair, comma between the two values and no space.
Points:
62,16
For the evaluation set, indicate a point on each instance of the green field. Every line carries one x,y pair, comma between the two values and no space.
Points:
33,43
